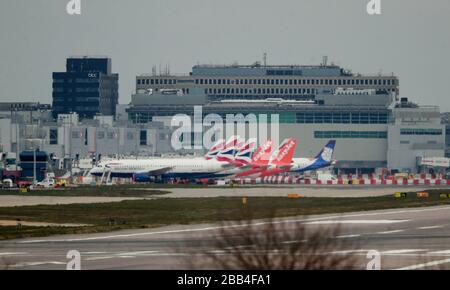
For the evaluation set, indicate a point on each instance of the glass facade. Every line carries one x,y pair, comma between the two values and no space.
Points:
290,117
350,134
87,88
342,118
143,137
417,131
53,136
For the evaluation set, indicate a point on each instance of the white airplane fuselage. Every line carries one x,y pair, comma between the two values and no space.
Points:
195,168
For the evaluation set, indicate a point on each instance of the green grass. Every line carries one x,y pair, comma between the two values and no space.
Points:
102,191
167,211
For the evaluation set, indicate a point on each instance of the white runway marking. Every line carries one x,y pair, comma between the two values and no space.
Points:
12,253
294,242
425,265
430,227
390,232
93,253
402,251
28,264
122,255
140,253
99,258
347,236
446,252
331,222
235,226
345,252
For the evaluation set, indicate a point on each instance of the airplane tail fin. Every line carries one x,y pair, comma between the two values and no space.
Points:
244,154
285,152
228,153
262,155
326,154
215,149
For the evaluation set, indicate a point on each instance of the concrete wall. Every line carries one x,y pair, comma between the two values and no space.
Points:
405,149
5,135
108,141
347,149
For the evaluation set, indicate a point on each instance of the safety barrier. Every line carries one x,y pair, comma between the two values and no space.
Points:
341,181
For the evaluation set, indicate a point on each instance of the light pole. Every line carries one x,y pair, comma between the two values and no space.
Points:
34,166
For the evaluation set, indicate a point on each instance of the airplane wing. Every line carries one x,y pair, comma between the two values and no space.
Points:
285,167
228,165
246,167
261,166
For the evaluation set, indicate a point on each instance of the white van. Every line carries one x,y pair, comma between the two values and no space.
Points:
46,183
7,183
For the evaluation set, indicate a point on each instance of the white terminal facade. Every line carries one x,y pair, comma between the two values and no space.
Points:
373,126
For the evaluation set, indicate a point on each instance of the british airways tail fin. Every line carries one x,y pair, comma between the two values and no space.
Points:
244,153
215,149
228,153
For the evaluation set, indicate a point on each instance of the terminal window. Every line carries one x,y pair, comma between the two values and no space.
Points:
342,118
53,136
143,137
350,134
417,131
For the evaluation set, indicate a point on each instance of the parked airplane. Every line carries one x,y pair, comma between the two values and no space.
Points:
266,162
282,161
231,147
323,159
166,168
215,149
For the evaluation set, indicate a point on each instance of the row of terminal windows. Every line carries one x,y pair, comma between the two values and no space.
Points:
335,82
421,131
156,81
272,91
76,80
342,118
300,118
350,134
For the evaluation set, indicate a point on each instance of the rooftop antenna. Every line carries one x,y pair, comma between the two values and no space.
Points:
324,60
265,59
154,70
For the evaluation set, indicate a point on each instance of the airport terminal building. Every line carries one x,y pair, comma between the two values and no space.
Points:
373,126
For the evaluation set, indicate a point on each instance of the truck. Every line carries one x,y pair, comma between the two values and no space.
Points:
48,182
7,183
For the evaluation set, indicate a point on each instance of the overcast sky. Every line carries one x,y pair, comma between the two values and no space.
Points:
410,39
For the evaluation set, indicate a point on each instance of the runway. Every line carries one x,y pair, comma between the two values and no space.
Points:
406,239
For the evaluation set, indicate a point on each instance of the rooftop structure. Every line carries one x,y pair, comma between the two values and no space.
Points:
298,82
